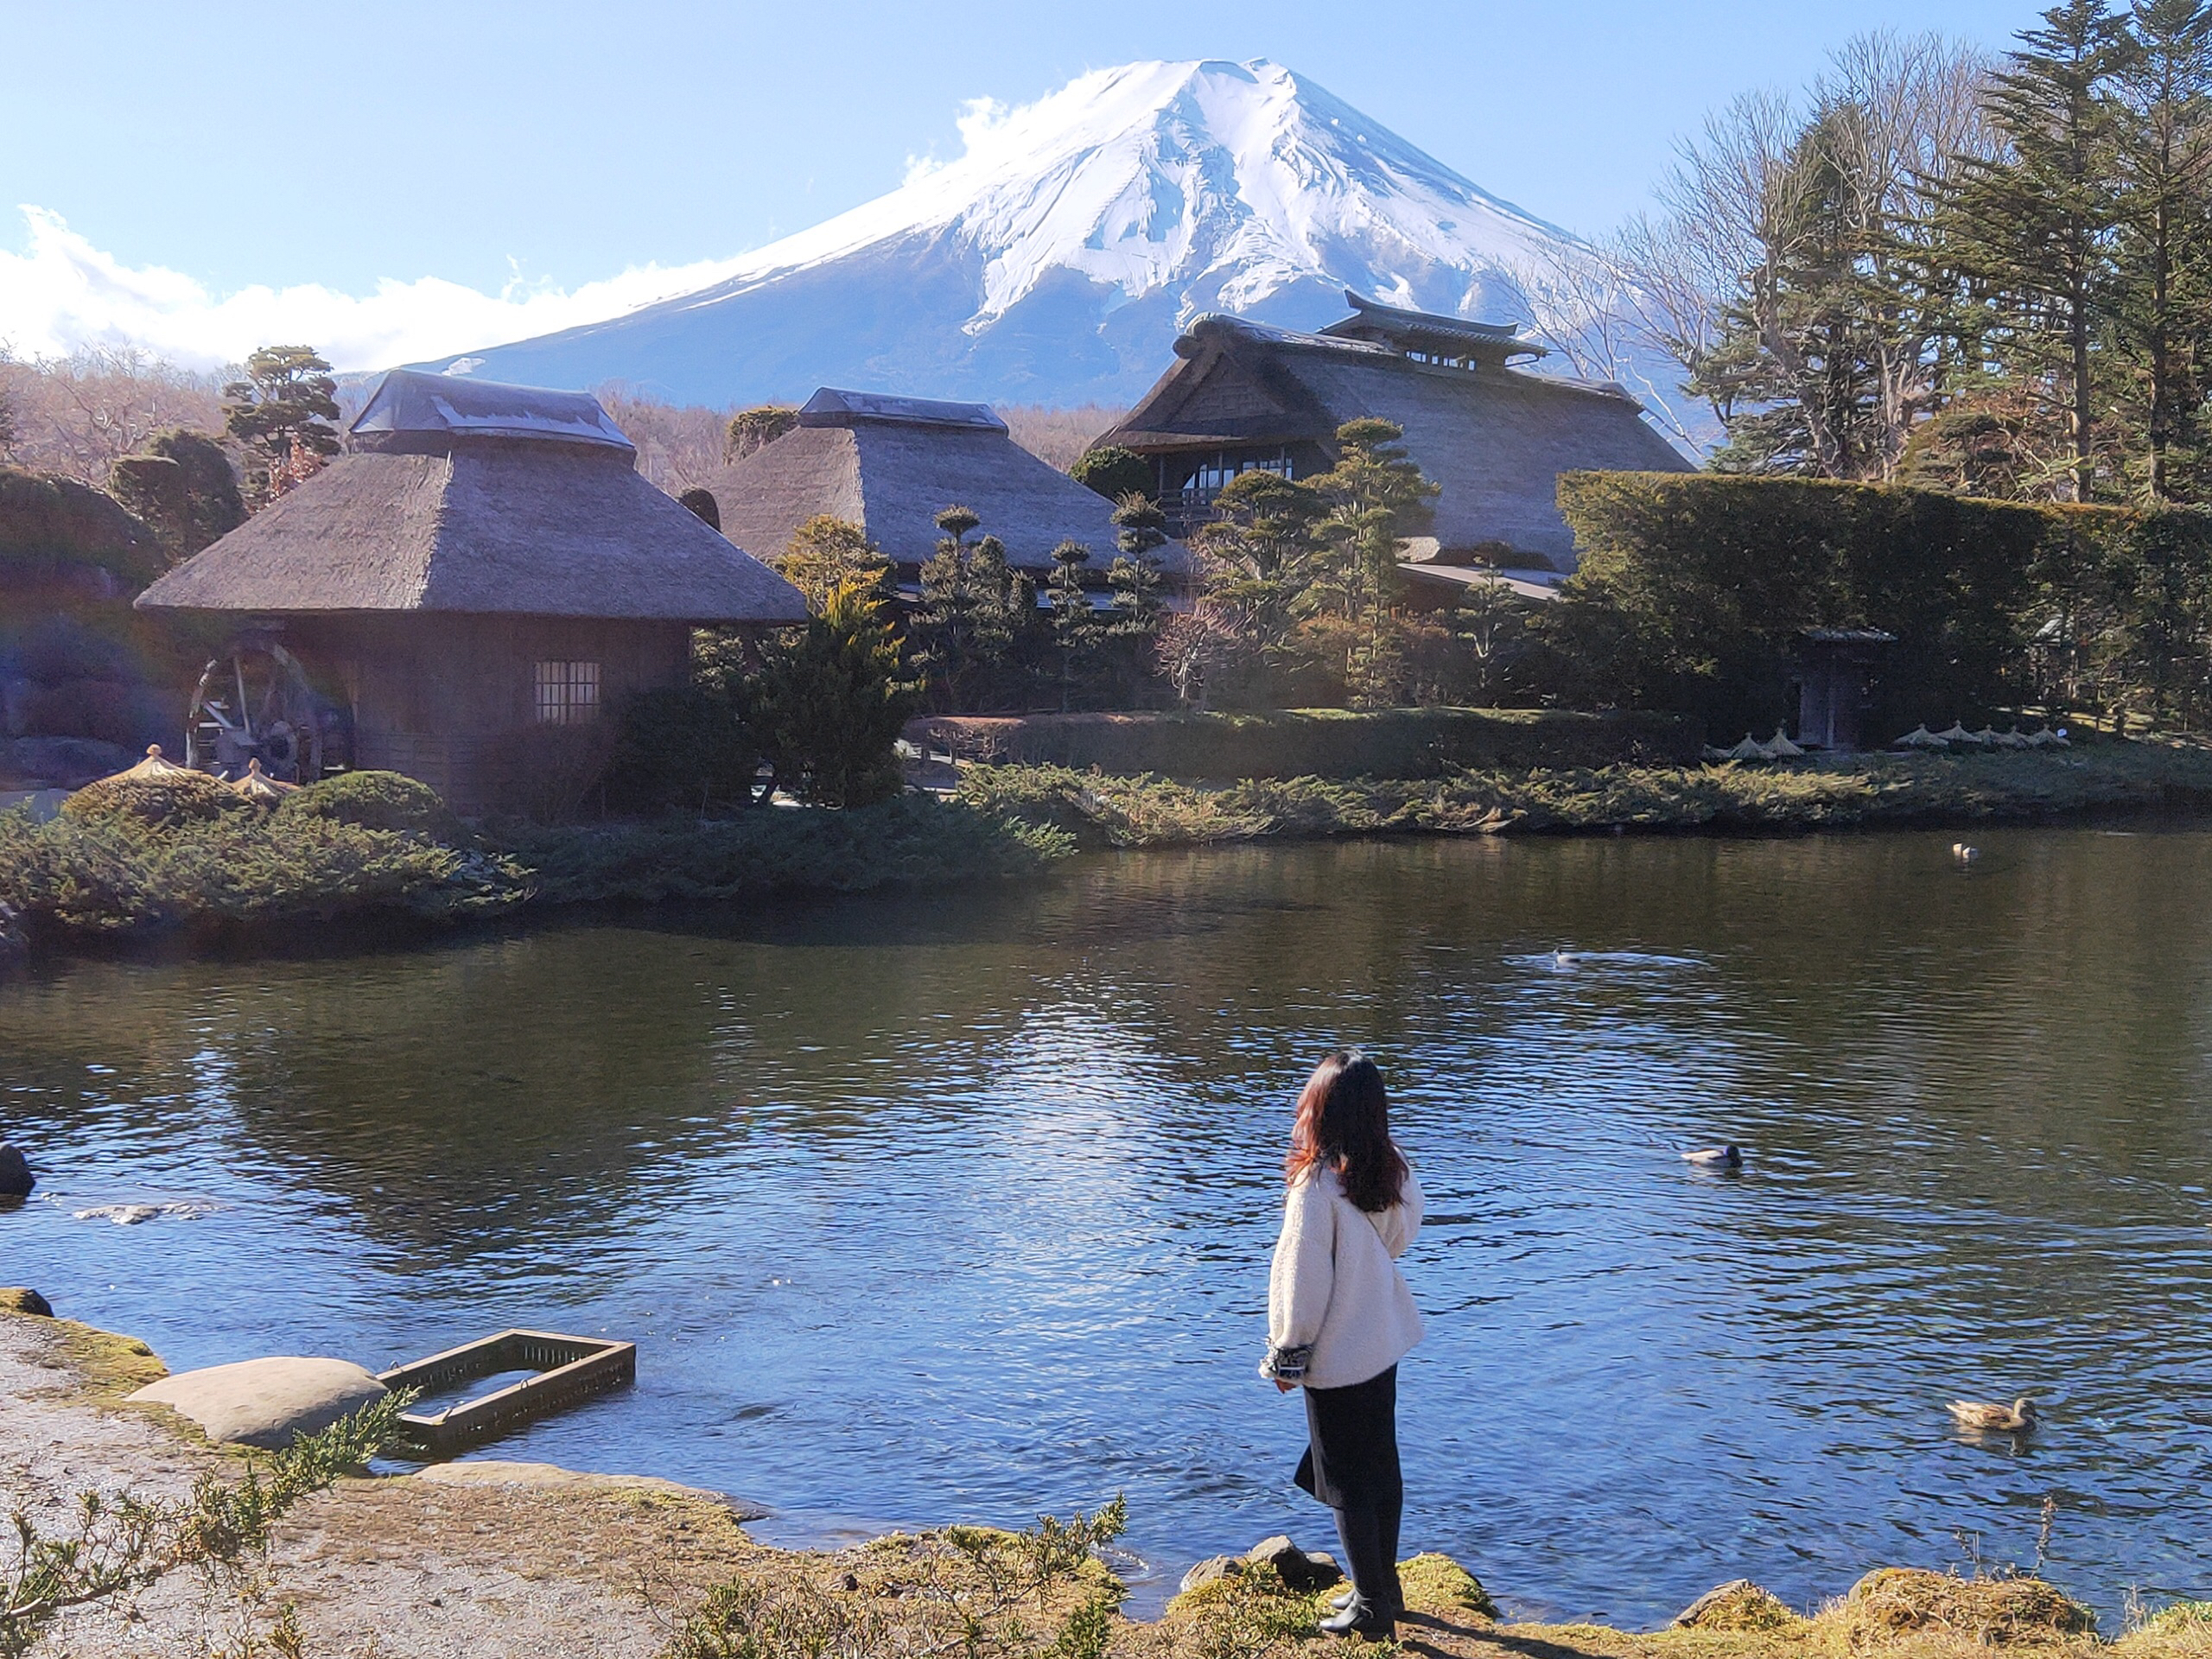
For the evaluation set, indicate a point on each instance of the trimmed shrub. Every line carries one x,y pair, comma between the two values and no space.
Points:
165,803
1113,471
378,800
688,749
1317,742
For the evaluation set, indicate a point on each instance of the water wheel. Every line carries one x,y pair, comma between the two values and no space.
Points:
253,702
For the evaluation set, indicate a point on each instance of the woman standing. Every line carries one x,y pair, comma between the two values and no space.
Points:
1340,1318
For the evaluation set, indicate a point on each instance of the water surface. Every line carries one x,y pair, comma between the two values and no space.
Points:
959,1205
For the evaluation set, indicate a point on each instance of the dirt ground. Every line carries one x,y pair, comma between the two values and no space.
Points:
516,1564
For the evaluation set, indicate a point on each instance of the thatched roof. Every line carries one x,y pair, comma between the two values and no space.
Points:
1495,438
485,499
891,465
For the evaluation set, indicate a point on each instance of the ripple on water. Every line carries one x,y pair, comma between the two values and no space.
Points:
960,1205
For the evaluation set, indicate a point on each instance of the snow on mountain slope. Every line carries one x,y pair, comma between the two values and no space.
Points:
1055,259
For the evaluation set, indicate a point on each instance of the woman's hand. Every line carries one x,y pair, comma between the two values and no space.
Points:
1282,1387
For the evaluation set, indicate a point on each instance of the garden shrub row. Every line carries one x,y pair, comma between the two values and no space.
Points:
1316,742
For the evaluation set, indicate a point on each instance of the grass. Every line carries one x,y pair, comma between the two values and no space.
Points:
1149,810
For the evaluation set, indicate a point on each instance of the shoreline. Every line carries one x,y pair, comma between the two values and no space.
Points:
263,887
554,1563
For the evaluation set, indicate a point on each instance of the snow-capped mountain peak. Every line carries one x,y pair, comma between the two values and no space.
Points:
1053,259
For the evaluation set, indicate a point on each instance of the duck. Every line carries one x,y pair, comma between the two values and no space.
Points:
2015,1419
1728,1157
1964,853
1564,957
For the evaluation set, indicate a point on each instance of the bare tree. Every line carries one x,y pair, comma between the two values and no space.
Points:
1858,161
76,415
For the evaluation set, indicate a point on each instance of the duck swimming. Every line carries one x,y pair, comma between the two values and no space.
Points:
2015,1419
1728,1157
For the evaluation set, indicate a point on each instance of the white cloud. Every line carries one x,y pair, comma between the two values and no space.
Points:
63,293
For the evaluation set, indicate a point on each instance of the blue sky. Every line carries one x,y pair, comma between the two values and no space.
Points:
346,145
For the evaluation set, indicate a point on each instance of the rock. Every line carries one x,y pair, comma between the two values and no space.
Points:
499,1471
18,1299
16,1178
265,1402
1209,1570
1299,1569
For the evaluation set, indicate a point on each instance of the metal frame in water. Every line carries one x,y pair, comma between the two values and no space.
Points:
568,1369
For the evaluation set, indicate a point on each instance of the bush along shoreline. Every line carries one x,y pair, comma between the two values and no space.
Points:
1835,792
378,855
375,856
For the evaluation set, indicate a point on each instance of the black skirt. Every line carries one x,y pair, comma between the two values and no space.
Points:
1352,1457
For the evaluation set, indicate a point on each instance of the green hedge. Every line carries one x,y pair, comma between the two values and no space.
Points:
1316,742
1692,587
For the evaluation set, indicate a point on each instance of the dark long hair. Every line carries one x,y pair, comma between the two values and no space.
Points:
1344,1124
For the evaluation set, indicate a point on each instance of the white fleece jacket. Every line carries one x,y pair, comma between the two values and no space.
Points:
1335,1284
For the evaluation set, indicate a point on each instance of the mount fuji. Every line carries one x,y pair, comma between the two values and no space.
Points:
1055,260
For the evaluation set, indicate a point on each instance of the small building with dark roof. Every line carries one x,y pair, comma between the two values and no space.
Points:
890,465
486,563
1495,438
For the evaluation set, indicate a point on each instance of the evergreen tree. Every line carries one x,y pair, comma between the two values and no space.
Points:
1376,497
1076,631
284,410
1798,362
2160,299
831,704
974,610
1139,598
2029,232
825,553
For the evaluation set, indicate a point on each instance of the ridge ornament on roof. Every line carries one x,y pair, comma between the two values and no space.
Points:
832,407
1432,335
409,403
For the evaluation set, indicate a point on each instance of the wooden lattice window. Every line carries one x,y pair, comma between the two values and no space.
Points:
568,693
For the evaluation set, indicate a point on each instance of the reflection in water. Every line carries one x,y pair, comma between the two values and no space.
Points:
958,1206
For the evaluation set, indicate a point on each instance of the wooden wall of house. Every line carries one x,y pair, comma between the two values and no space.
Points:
451,700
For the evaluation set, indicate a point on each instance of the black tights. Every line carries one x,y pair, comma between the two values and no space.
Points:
1369,1532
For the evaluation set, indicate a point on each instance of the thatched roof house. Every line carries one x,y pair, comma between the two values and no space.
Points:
1242,395
891,465
486,562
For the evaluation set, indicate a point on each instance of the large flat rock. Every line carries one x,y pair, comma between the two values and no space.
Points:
499,1471
265,1402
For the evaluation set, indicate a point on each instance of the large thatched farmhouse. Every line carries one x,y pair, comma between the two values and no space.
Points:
487,564
891,465
1242,396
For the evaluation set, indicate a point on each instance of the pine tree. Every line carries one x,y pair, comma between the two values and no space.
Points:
2160,301
283,407
974,611
1376,497
2030,233
1798,362
1076,631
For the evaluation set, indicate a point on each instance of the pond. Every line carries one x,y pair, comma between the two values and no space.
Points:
958,1206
